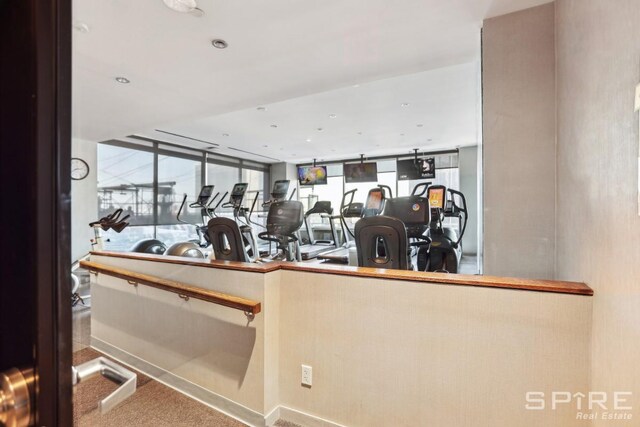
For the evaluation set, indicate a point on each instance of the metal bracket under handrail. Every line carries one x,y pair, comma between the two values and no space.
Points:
114,372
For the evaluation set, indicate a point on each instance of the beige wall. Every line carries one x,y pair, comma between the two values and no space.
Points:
206,344
519,143
389,353
383,352
84,202
598,51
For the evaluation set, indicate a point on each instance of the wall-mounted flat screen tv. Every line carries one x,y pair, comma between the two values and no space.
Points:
361,172
420,169
312,175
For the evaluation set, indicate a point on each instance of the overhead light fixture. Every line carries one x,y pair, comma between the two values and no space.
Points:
219,43
402,134
308,140
320,129
359,133
332,116
123,80
182,6
274,126
404,104
265,146
261,109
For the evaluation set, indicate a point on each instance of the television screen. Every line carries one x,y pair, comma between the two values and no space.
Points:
312,175
361,172
422,169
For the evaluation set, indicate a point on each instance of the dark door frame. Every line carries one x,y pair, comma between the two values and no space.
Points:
35,151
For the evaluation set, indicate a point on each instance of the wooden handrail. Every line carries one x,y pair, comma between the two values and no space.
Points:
183,291
554,286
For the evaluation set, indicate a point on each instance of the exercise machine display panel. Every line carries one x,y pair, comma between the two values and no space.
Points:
437,197
205,194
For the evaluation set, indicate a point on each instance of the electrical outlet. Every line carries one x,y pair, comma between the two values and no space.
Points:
307,375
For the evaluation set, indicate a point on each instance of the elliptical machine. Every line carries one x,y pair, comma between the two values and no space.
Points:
193,248
283,221
397,237
446,244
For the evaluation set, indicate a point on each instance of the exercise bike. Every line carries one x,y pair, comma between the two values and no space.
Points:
109,222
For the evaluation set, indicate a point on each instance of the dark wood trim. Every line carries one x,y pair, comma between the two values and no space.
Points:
563,287
223,265
553,286
35,156
181,289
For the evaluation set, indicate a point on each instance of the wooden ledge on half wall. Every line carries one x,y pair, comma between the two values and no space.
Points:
553,286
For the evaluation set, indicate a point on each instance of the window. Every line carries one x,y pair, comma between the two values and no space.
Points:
224,178
126,180
178,177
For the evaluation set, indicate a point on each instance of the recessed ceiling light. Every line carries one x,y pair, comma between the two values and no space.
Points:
123,80
225,134
420,125
356,85
332,116
81,27
308,140
261,109
219,43
183,6
404,104
274,126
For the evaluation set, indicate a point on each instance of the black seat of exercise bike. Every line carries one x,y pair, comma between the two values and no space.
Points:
371,232
226,240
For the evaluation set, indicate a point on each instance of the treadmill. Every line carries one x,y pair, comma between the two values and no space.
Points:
373,206
317,247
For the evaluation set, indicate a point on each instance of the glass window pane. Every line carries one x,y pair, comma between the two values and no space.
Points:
177,177
125,181
224,178
255,179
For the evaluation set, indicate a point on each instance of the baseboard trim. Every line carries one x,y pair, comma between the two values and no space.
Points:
273,416
207,397
303,419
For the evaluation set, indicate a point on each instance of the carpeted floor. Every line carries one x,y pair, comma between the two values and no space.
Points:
153,404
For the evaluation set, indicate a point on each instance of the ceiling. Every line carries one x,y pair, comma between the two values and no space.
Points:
300,60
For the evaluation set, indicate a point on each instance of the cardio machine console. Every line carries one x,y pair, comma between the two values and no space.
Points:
237,194
205,195
285,218
413,211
